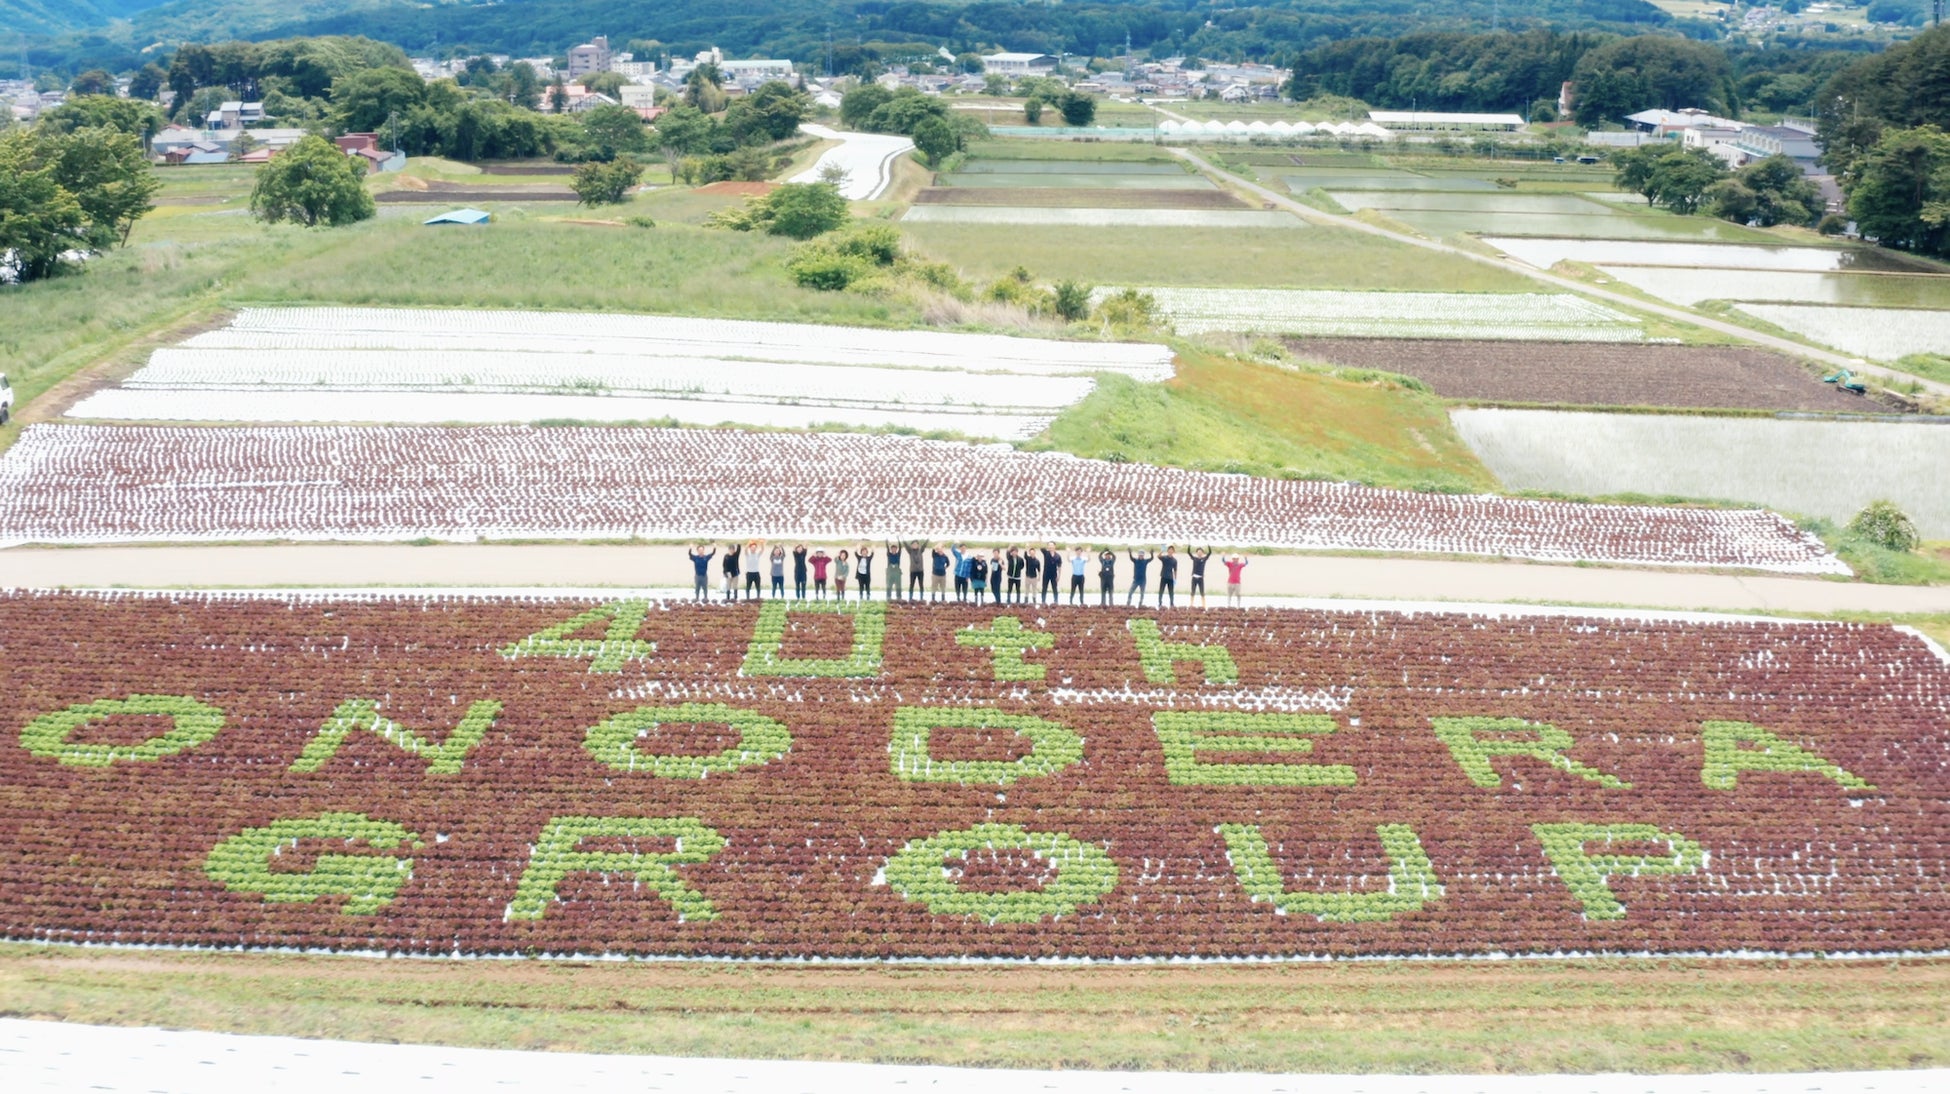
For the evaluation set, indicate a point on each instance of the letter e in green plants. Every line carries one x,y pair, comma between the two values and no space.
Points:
1475,741
1185,733
558,854
368,883
1727,756
1588,875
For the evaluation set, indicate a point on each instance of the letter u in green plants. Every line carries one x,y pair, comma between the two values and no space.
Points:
1411,878
368,883
190,724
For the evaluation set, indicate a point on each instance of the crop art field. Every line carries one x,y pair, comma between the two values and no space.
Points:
502,775
94,484
1325,313
376,365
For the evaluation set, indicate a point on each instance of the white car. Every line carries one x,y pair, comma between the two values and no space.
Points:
6,399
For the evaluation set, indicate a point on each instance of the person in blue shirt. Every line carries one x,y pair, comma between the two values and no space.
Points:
701,563
1140,564
939,584
1078,565
964,565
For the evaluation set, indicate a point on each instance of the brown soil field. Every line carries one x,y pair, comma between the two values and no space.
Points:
1064,198
457,197
1595,374
739,189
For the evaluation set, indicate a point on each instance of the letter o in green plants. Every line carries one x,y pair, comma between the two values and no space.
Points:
191,724
1053,746
242,863
760,740
920,872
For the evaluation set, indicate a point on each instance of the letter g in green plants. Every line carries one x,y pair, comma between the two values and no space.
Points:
368,883
191,724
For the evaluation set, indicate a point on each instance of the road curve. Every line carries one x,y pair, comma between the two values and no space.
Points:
867,159
1798,349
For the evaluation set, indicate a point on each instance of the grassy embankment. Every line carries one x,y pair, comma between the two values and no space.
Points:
1571,1016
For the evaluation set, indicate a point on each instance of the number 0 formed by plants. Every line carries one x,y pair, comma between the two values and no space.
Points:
191,724
766,655
1083,873
368,883
760,740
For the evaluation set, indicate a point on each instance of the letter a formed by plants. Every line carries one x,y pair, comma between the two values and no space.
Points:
1411,878
1726,757
618,644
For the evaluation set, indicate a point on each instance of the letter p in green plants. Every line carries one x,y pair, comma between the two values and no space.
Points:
1588,875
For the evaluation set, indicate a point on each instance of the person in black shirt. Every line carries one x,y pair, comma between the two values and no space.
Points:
1106,576
938,580
1168,577
1140,565
799,571
1016,567
731,552
1052,563
978,573
996,570
1198,556
894,569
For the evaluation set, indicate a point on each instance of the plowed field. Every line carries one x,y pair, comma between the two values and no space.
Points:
1593,374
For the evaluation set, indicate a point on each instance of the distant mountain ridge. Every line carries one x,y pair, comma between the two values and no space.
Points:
58,16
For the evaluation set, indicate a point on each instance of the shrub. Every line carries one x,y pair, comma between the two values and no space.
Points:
1833,224
1071,300
1885,525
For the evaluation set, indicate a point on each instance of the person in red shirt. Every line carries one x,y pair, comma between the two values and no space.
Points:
1235,569
819,563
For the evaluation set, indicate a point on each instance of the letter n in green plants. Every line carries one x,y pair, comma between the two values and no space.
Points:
1476,741
190,724
368,883
1053,746
1160,659
1727,755
766,655
618,644
558,854
760,740
1185,733
1411,878
445,758
1588,875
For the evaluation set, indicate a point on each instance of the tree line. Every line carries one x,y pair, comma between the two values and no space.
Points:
1883,124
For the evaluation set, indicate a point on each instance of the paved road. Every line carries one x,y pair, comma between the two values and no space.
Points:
867,158
37,1056
580,566
1783,345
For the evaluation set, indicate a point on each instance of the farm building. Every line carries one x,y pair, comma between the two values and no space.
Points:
1018,64
1427,120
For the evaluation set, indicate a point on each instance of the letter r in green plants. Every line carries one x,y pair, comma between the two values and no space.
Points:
618,644
1411,878
1588,875
1726,757
368,883
558,854
445,758
1007,640
1159,659
1185,733
1475,741
766,654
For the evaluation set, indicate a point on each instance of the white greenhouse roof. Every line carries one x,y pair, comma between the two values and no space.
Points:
1430,117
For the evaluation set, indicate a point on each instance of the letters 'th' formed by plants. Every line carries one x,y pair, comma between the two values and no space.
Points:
1053,746
766,654
1159,659
1080,873
607,654
558,855
1727,756
761,740
368,883
1474,742
1411,878
354,715
1007,640
1589,875
1184,733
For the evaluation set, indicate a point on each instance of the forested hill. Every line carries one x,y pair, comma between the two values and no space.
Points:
800,29
55,16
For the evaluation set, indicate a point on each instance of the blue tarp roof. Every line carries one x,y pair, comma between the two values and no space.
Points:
461,216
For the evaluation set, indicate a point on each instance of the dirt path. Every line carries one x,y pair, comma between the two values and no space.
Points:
664,566
1784,345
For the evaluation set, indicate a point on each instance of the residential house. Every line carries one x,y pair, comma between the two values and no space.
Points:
235,115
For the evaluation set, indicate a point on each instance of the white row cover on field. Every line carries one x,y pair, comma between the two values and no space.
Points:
1884,334
1552,317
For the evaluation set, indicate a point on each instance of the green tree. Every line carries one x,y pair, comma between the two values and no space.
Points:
804,210
110,179
93,82
1670,175
311,183
606,183
1078,109
857,106
39,220
605,83
1902,193
704,89
906,109
140,119
363,101
1032,110
148,82
523,87
614,131
1649,71
1768,192
772,112
935,141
